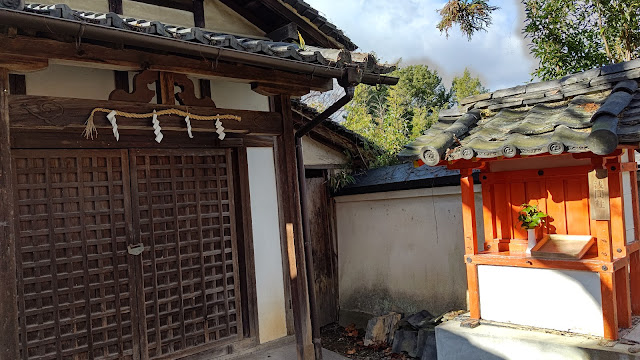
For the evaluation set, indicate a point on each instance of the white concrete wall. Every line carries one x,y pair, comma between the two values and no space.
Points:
316,153
266,242
563,300
402,250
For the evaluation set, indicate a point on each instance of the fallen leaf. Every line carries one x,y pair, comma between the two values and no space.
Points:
351,351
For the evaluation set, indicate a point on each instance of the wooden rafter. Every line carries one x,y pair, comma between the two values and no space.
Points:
134,60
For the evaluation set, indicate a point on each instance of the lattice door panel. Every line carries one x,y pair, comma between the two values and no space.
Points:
184,204
73,217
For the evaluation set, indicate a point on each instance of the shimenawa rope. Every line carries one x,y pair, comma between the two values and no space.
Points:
90,130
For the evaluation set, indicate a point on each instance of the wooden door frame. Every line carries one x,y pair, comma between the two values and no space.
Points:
245,260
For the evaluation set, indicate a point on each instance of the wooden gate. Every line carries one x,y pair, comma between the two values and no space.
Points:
88,290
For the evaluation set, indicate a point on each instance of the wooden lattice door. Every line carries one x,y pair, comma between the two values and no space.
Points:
118,266
183,203
74,289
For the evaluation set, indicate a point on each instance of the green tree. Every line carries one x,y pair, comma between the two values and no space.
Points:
392,116
472,16
567,36
464,86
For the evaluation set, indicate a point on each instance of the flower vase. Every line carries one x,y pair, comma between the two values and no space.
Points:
531,240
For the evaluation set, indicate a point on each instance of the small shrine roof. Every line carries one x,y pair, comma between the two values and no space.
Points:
593,111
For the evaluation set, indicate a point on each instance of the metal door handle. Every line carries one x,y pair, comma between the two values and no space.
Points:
135,250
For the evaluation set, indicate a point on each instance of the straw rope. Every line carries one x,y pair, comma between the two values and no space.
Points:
90,130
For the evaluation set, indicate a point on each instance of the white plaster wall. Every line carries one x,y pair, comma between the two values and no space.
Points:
238,96
316,153
163,14
218,16
402,250
71,81
87,5
563,300
266,242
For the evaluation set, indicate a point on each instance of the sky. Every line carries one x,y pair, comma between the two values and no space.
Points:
406,29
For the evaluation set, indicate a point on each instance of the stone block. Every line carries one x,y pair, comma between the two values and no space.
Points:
419,320
405,341
381,329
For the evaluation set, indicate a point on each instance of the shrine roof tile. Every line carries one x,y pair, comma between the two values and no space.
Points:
593,111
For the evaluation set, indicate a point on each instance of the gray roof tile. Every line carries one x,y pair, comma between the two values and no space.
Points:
320,56
591,111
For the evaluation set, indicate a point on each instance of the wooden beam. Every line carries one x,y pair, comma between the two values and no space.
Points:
121,81
286,172
135,60
20,63
277,89
66,114
8,297
198,13
167,89
115,6
309,29
286,33
17,84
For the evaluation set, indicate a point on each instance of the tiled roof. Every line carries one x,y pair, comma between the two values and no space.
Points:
591,111
402,177
312,55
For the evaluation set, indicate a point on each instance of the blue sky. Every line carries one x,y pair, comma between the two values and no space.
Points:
407,29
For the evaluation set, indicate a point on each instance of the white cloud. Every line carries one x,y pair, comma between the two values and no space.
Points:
407,29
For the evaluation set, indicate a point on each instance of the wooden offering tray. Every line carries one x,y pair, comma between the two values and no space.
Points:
554,246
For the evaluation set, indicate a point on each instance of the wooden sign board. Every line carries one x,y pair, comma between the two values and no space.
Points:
599,194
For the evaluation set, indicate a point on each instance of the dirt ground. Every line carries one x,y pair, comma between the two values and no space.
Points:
349,343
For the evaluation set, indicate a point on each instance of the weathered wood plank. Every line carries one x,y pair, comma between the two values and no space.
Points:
46,139
50,113
324,252
135,60
8,302
21,63
245,247
286,171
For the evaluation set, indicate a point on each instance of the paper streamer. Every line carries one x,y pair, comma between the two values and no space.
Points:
112,119
188,121
220,130
156,127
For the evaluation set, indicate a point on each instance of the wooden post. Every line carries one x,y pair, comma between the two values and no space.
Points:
8,300
470,239
288,192
623,300
618,228
468,213
609,311
634,280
